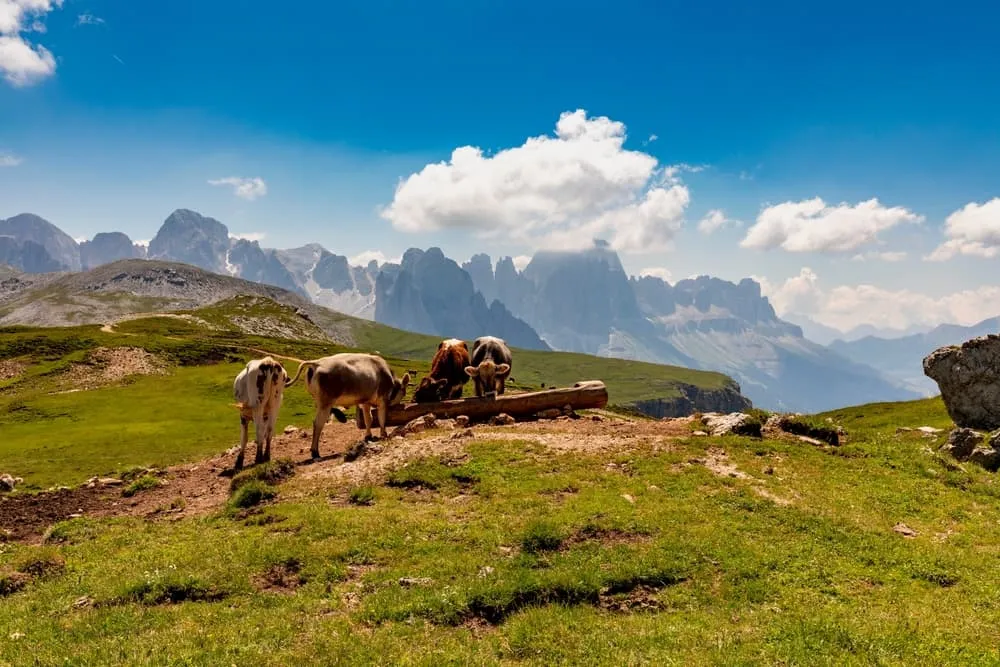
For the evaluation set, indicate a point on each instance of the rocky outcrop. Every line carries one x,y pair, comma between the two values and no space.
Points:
968,376
695,399
108,247
249,261
961,443
429,293
192,238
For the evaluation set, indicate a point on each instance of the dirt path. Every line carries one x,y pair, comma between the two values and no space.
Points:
198,488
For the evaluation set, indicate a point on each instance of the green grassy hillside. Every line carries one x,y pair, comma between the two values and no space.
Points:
53,435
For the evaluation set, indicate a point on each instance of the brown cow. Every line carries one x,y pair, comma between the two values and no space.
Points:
258,390
346,379
447,377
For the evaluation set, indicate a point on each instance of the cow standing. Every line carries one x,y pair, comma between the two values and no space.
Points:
347,379
447,377
491,364
258,390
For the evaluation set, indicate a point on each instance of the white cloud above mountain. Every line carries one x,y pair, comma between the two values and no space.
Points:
22,62
248,236
553,191
363,258
713,221
847,306
973,231
812,225
10,160
657,272
244,188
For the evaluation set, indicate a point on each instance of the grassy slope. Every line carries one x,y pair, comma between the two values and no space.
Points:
736,578
63,438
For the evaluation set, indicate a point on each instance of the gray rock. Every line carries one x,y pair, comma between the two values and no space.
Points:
736,423
961,443
987,457
8,482
461,421
502,419
968,376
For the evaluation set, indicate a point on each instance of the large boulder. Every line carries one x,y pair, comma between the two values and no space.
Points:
968,376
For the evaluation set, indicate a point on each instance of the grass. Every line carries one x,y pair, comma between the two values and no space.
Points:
140,484
541,560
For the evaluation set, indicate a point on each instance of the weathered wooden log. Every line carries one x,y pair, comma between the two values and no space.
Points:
581,396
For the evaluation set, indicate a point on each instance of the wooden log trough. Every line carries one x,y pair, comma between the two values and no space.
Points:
589,394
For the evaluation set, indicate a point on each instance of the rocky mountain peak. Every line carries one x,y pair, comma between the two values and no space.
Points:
59,252
189,237
108,247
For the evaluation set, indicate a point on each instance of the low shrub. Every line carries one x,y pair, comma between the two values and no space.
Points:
270,472
252,493
144,483
541,536
362,495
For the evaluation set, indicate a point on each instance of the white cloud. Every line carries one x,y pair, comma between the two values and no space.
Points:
9,160
142,243
847,306
973,230
23,63
89,19
244,188
813,226
657,272
887,256
81,239
556,191
363,258
713,221
521,262
249,236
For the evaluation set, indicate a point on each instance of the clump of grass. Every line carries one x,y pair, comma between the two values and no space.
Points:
140,484
169,589
70,530
252,493
362,495
541,535
270,472
431,474
811,428
41,562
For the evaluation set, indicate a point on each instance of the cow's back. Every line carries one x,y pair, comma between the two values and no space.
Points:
492,348
449,362
355,375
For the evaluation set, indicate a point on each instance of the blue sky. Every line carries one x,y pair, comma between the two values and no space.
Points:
332,104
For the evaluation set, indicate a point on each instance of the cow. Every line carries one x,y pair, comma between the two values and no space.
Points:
258,390
447,377
491,364
346,379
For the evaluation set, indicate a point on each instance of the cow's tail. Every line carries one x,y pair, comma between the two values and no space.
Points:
302,367
339,414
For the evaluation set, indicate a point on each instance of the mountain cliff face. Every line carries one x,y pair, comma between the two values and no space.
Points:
585,302
107,247
247,260
331,281
429,293
902,358
192,238
33,244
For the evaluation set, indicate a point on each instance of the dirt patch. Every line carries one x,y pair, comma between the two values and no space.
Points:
24,517
717,461
109,365
605,536
10,369
639,599
282,578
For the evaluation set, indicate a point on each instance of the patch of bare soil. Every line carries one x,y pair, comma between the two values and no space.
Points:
281,578
717,461
107,365
10,369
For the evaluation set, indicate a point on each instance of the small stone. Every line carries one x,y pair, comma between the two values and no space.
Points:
291,429
699,433
903,429
502,419
406,582
629,498
551,413
466,433
8,482
811,441
769,470
85,601
461,421
904,530
987,457
109,481
929,430
596,418
75,515
485,571
430,421
14,636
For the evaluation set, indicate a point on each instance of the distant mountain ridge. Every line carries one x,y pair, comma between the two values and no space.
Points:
573,301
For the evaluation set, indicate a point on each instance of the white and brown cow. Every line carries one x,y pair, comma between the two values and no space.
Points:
258,390
491,364
447,377
350,379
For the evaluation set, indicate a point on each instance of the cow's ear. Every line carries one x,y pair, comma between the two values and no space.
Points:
503,370
465,345
471,371
440,345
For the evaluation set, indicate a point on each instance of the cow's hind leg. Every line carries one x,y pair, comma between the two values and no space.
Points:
322,415
366,413
244,436
383,417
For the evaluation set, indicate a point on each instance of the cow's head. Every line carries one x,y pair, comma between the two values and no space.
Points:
489,374
399,389
430,390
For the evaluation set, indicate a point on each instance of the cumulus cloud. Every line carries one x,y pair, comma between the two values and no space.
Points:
887,256
814,226
713,221
89,19
249,236
244,188
9,160
363,258
23,63
556,191
973,230
847,306
657,272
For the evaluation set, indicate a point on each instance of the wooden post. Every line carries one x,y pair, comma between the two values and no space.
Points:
581,396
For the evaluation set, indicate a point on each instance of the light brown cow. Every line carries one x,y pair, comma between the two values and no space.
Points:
346,379
258,390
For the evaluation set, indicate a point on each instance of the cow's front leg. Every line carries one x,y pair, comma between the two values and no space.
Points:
244,436
366,413
383,417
